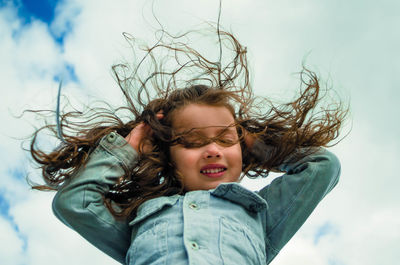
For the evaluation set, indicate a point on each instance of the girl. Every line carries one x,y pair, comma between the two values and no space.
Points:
163,188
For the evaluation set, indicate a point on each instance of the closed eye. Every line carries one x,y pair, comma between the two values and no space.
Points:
226,136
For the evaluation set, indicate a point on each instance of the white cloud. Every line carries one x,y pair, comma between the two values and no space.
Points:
31,234
48,240
12,252
300,251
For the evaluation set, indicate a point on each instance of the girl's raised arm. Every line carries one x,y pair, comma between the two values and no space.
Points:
80,202
292,197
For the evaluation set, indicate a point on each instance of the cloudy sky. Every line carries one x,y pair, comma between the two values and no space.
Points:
353,45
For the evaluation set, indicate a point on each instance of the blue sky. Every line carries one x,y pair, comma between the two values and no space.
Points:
42,10
31,10
352,45
4,206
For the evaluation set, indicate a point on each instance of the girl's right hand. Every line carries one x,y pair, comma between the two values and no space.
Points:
138,133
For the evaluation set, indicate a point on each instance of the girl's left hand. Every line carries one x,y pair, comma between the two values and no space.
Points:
138,133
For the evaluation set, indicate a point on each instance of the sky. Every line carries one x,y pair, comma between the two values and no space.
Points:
352,45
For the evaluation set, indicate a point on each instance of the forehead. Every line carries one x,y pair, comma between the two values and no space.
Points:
200,116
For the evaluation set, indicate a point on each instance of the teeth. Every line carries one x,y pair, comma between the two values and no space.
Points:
212,170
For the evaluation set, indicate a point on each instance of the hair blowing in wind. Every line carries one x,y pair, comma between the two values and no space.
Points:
172,74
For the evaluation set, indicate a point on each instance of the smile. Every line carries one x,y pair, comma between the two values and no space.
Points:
212,170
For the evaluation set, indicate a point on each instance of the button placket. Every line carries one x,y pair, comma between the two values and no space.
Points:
195,210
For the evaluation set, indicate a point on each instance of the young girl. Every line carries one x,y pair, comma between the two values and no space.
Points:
164,187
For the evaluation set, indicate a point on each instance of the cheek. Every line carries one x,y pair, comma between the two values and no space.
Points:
236,153
181,157
235,157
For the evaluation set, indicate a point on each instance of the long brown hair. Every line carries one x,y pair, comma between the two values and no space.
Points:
223,82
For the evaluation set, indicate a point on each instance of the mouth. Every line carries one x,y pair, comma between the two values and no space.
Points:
213,171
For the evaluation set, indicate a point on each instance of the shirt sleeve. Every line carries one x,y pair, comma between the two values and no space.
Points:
292,197
80,203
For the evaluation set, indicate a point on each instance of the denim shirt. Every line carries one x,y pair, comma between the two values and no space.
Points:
226,225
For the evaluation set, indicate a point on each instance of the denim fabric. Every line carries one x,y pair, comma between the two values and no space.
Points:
226,225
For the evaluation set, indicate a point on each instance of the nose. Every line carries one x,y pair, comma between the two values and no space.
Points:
212,150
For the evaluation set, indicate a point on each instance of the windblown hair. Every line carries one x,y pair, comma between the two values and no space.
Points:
193,79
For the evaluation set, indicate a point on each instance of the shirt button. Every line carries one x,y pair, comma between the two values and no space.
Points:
193,206
111,137
194,245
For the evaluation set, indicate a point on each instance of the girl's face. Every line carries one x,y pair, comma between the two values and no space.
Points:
204,167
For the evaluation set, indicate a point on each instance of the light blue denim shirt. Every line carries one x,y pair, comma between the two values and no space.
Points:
226,225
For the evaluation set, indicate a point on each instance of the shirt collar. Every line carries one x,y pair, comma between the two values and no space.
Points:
237,193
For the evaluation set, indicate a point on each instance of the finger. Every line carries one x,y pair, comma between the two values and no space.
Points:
160,115
146,130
